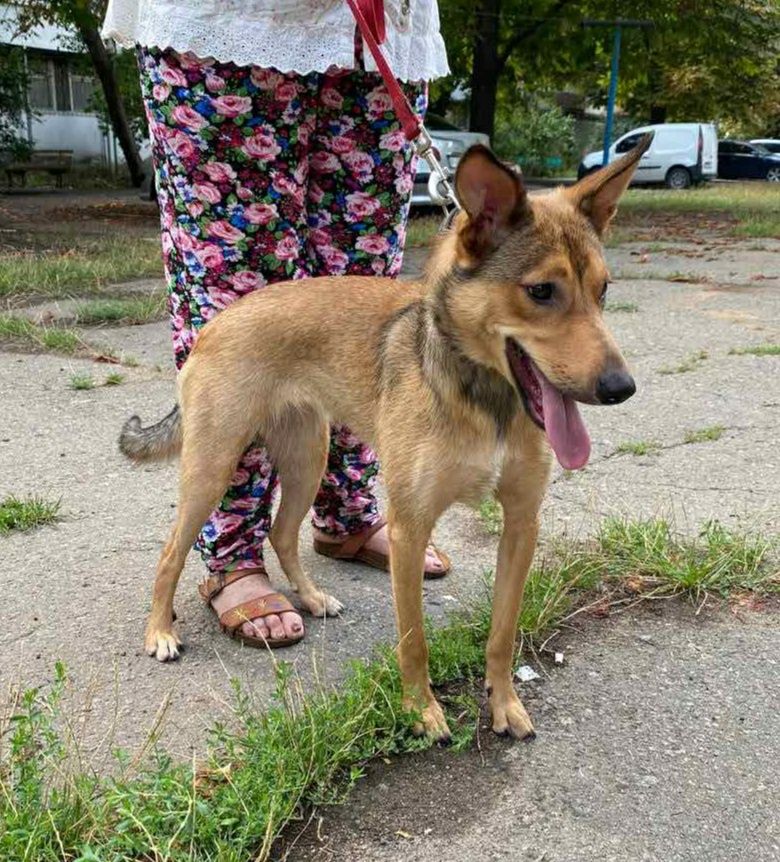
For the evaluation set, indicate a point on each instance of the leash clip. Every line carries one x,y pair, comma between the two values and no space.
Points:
439,186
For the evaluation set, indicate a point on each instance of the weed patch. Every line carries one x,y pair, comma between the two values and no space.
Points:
130,311
18,329
622,307
638,447
690,363
705,435
756,350
17,513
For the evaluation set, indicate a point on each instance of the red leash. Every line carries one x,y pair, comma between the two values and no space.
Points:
370,18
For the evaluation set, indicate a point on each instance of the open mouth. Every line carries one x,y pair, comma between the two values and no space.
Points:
553,411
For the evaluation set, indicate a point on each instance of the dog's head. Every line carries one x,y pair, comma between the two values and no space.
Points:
535,284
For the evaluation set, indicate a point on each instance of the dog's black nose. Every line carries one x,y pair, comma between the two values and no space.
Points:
615,386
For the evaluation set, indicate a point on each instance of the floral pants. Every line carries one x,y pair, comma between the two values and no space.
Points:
262,177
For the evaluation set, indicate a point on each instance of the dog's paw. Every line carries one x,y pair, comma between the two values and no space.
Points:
162,645
433,724
321,604
510,717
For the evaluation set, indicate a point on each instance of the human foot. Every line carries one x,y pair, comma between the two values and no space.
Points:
249,593
374,550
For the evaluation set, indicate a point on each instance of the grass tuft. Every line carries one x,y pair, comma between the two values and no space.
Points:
638,447
622,307
756,350
81,381
491,516
129,311
705,435
310,748
22,514
690,363
114,379
18,329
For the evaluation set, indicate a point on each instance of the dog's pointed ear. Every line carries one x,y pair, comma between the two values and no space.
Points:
493,198
597,194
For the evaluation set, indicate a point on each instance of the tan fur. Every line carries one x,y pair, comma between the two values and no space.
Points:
419,371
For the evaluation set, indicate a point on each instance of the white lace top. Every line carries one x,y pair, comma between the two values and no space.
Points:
290,35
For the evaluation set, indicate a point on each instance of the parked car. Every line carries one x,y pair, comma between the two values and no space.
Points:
450,143
740,160
771,144
681,154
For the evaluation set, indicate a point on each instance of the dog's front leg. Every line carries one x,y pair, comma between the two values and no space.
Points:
408,541
520,493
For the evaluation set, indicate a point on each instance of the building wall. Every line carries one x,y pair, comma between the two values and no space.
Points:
77,132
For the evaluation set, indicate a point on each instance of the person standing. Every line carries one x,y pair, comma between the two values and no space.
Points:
277,156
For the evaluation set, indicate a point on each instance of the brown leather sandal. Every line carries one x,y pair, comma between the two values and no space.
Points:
254,609
353,549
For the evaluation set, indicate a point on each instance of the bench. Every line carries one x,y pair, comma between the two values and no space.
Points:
57,163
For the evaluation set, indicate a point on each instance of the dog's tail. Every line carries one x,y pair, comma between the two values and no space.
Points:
155,443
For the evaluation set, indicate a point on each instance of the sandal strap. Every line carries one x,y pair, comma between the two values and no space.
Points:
355,542
255,609
213,585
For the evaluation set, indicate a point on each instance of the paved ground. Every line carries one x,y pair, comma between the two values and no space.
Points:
658,740
79,591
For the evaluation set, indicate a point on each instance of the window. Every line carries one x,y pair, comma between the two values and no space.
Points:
55,85
627,144
83,89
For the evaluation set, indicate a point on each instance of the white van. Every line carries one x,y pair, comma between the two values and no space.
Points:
680,154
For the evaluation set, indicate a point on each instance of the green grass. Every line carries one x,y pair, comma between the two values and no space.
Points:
21,330
690,363
129,311
309,749
421,230
81,381
756,350
114,379
753,205
21,514
491,516
638,447
622,307
705,435
83,266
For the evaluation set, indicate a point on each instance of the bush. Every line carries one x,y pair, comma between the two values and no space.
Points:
539,139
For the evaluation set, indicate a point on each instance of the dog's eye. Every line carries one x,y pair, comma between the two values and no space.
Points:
603,295
541,292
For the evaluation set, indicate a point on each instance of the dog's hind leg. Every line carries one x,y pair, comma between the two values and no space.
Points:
409,538
205,472
520,492
298,446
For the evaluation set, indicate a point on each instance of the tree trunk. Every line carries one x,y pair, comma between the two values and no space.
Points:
486,67
116,108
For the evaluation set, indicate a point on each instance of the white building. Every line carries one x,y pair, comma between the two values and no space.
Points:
61,85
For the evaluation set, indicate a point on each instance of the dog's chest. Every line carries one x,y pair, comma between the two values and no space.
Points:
478,472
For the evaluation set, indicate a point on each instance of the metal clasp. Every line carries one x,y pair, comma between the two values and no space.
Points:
439,186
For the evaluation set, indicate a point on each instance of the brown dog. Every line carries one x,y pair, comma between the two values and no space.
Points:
463,382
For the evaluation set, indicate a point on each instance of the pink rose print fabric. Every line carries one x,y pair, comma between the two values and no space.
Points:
264,176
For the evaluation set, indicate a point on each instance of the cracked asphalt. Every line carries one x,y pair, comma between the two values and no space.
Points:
79,591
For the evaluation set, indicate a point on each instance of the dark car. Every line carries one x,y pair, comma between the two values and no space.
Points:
740,160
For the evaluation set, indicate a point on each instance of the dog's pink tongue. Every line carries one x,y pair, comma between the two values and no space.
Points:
566,431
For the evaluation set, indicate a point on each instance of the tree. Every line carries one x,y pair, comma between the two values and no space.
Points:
85,16
13,102
702,59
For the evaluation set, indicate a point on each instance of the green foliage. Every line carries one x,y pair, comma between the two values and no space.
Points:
21,514
13,103
756,350
705,435
43,337
638,447
714,60
81,381
538,137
